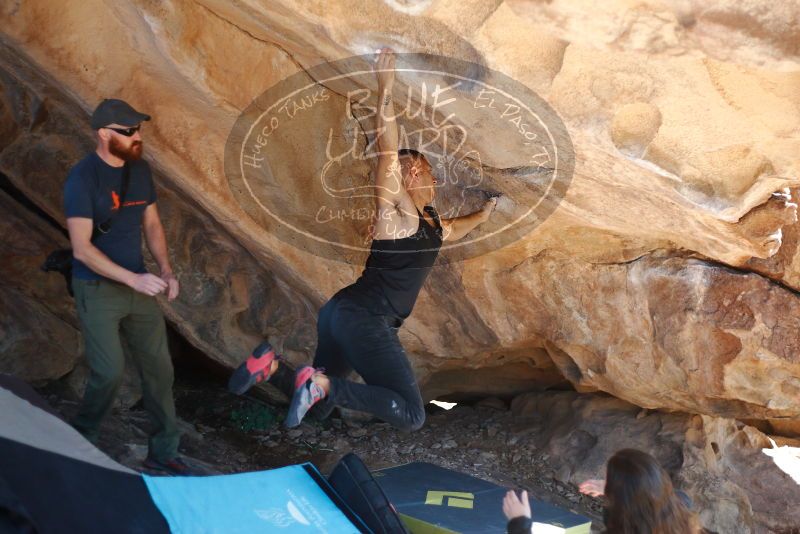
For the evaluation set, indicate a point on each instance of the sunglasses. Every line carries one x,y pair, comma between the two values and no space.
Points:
127,132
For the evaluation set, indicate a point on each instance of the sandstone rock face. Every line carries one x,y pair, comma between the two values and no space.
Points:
720,463
686,326
38,325
666,276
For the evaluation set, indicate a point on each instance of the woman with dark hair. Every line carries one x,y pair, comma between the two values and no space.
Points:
640,499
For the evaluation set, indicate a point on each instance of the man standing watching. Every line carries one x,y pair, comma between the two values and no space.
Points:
109,198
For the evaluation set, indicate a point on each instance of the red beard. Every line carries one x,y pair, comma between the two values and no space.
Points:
131,153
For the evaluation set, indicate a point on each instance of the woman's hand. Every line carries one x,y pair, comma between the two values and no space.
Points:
514,506
594,487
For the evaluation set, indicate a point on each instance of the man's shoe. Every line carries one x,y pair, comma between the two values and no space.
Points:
306,394
173,466
255,369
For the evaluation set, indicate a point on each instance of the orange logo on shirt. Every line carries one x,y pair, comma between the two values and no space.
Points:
115,200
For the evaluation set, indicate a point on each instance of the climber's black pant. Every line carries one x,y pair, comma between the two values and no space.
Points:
350,337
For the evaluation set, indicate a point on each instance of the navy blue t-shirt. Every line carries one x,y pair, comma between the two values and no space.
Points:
92,190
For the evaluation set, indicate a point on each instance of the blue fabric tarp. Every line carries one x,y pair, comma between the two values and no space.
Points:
286,500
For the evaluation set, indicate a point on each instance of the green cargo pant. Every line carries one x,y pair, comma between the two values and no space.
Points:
106,311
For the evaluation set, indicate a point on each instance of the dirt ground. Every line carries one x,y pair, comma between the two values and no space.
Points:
223,433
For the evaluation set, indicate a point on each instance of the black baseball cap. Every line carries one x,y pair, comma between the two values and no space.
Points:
113,111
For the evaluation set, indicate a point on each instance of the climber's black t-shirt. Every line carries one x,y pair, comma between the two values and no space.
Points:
396,269
92,190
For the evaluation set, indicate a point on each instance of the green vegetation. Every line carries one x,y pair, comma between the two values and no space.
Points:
255,416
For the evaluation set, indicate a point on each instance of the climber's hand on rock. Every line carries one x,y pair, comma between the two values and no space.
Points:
488,208
384,68
593,488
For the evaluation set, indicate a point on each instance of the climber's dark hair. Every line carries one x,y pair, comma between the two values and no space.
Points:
416,155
